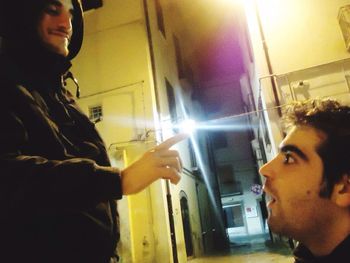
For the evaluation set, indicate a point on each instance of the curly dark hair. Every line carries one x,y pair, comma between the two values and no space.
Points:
333,119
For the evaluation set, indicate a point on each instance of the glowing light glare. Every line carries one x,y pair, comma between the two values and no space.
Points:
188,126
204,169
244,3
250,7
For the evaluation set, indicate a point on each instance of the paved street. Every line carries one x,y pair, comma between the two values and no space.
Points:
256,251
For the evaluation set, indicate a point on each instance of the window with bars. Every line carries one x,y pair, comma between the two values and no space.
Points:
95,113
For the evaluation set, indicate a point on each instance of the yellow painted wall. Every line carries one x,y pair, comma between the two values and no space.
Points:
141,214
124,112
114,70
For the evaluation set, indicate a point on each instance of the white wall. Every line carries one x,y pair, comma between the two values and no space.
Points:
299,34
253,224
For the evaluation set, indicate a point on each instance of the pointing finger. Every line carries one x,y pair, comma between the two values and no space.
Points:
171,141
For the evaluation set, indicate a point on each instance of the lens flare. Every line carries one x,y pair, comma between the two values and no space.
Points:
187,126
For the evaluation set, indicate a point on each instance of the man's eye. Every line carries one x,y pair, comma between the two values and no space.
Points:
288,159
52,10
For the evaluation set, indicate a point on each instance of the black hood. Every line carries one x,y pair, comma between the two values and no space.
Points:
19,19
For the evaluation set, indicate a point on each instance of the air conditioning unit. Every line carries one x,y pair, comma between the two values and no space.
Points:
344,22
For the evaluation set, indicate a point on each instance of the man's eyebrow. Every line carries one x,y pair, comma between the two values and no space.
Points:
55,2
295,149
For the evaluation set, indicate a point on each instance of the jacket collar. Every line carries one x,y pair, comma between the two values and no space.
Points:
303,254
35,67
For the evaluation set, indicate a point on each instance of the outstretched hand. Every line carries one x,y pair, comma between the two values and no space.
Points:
159,162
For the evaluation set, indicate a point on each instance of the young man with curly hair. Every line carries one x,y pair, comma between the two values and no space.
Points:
308,182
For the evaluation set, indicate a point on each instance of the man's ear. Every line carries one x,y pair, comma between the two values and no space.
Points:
341,191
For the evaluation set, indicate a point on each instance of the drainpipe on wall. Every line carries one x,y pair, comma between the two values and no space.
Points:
268,61
272,79
168,191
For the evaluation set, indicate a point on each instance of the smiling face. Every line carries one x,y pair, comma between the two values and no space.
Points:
55,26
293,182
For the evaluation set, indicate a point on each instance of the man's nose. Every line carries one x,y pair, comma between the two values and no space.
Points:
266,169
65,20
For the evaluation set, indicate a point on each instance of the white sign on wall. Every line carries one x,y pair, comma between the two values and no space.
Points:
250,211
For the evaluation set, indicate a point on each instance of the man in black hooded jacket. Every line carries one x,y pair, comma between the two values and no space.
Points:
57,189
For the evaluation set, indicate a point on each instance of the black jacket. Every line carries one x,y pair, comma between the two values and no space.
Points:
340,254
57,188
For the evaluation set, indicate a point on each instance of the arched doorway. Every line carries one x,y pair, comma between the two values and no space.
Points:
186,223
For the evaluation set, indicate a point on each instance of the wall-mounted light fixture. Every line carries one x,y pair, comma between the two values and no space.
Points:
302,89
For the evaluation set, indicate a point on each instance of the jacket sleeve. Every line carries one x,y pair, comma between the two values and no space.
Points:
34,182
